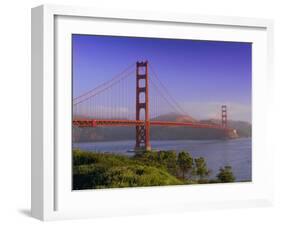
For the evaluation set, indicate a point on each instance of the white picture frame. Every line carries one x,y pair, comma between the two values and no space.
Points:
52,197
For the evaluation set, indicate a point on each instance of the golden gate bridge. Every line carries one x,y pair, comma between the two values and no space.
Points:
109,104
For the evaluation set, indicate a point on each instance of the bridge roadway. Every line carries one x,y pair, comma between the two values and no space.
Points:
113,122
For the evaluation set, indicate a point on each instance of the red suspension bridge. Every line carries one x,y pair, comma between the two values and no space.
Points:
110,104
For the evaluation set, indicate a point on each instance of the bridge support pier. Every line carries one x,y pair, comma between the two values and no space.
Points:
142,131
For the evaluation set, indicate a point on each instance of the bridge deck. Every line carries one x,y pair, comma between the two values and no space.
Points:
110,123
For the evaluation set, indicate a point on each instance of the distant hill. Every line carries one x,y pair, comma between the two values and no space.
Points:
174,117
161,133
244,129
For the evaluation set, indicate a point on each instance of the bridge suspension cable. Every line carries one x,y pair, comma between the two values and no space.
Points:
112,80
93,102
101,88
167,95
157,105
108,101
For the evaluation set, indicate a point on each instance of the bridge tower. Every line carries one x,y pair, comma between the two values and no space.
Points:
142,131
224,116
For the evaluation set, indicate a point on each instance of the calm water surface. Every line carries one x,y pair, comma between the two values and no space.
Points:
218,153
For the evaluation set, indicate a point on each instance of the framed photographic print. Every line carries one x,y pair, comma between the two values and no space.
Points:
141,113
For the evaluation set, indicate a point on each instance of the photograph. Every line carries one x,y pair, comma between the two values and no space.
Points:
150,111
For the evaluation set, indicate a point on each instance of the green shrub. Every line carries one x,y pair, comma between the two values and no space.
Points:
225,175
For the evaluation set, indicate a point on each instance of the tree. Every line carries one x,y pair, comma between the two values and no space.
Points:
169,160
201,168
225,175
185,163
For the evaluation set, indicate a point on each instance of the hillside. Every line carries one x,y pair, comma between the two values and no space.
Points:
174,117
100,170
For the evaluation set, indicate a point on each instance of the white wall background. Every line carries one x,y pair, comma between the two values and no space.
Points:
15,111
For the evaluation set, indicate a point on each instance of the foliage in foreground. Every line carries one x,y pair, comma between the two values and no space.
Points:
147,168
100,170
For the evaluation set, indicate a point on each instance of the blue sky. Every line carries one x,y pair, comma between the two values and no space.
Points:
201,75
